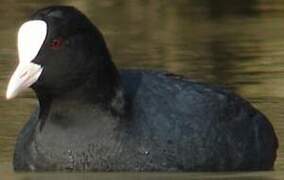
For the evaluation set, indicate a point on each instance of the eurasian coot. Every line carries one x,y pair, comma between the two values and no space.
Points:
93,117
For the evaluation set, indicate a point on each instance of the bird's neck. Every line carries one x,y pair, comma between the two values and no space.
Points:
101,91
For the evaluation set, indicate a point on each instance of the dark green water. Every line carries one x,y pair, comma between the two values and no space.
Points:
238,44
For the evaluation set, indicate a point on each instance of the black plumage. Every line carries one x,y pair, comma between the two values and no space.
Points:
93,117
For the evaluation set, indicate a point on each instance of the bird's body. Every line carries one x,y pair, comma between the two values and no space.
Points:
165,128
93,117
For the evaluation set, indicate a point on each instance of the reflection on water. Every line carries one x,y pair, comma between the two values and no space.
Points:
238,44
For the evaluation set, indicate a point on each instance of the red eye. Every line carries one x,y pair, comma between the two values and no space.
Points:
56,43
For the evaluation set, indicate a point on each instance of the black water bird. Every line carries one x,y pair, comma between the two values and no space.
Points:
93,117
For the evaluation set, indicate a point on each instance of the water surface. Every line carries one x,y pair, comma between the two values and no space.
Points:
237,44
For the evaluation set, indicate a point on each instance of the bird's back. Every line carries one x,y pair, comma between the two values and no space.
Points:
195,126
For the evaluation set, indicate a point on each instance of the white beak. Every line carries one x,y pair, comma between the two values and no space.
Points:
31,36
24,76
